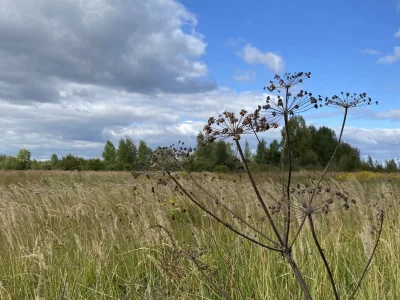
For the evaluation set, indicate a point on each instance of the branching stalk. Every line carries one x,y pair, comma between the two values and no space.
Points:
235,214
287,221
264,207
288,253
219,220
299,275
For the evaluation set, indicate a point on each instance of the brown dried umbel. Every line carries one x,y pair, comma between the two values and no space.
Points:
229,125
347,100
275,109
287,81
173,156
319,200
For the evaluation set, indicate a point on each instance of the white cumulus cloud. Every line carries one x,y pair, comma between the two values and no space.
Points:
252,55
390,59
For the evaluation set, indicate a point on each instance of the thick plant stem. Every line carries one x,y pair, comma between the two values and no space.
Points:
288,254
321,253
287,221
274,228
299,276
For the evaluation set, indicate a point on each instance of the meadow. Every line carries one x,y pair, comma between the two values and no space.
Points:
112,235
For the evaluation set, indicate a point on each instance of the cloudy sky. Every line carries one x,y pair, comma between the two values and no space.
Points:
76,73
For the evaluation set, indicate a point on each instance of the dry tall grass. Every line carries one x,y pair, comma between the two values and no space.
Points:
110,236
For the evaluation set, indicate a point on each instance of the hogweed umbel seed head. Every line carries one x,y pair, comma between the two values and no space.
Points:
275,108
313,200
229,125
288,80
347,100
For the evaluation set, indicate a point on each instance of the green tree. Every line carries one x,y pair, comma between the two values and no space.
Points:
94,164
391,165
247,151
54,161
300,138
370,162
202,160
109,153
126,154
308,158
12,163
24,158
72,163
378,166
261,154
143,155
2,160
324,142
274,153
220,153
132,152
348,158
122,152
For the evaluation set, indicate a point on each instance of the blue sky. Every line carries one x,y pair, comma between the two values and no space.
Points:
347,45
329,38
76,73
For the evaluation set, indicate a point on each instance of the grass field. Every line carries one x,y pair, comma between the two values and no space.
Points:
76,235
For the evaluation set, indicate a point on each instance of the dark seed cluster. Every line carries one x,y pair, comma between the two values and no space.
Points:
229,125
348,100
287,81
312,200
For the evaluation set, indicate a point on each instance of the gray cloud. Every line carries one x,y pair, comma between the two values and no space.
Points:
393,115
140,46
81,125
379,143
88,115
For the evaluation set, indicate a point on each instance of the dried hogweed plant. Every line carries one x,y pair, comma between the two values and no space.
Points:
300,202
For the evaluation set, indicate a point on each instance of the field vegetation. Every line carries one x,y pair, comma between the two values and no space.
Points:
112,235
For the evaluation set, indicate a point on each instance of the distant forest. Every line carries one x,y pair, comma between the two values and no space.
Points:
312,149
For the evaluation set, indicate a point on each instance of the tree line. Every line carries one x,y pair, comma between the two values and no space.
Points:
126,157
311,149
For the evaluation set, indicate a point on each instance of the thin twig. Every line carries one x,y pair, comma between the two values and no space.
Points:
221,291
227,225
370,258
337,146
234,214
321,253
298,231
258,194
